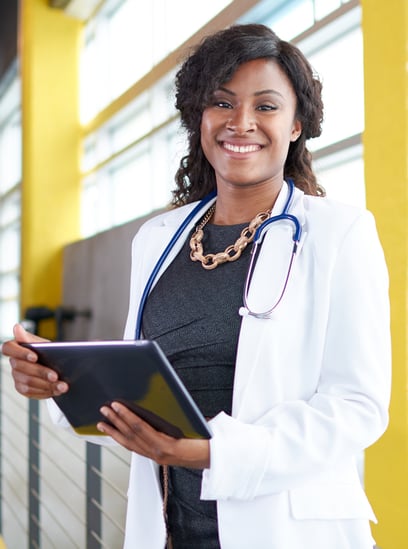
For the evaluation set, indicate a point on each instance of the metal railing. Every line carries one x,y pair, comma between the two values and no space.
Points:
56,491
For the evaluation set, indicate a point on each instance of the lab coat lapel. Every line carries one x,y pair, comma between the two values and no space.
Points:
267,283
161,235
274,256
271,268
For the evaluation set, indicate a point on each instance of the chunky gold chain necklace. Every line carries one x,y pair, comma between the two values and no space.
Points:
231,253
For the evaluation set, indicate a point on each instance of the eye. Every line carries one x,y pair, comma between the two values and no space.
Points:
222,104
267,108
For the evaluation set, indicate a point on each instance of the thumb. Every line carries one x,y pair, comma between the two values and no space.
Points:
22,336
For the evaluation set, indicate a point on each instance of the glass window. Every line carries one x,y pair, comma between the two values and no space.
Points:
124,152
130,37
179,21
9,315
324,7
340,67
10,153
9,248
133,183
287,18
140,117
93,90
292,19
342,175
129,163
127,38
9,272
131,127
10,205
8,286
90,207
130,182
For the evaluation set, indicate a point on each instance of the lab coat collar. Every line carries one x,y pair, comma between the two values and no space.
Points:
296,208
163,233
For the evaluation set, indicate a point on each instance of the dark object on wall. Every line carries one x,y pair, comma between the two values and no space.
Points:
60,314
8,34
59,4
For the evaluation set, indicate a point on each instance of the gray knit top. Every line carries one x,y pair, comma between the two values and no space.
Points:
193,314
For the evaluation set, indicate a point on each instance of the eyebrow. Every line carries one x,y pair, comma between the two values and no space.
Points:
256,94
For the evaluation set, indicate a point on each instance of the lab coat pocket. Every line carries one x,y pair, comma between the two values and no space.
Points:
330,502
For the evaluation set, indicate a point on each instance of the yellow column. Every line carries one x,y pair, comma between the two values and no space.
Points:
385,30
49,45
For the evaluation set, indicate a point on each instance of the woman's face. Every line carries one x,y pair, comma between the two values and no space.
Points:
246,131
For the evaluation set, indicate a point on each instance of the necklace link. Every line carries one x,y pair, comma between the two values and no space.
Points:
232,252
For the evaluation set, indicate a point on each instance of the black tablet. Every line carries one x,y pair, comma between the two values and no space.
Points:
136,373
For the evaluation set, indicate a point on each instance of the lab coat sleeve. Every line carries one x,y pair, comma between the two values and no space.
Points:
142,263
300,441
134,289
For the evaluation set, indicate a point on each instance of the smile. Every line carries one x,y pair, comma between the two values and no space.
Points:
241,148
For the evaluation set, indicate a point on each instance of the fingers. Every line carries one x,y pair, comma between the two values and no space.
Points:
13,349
35,380
21,335
31,379
130,431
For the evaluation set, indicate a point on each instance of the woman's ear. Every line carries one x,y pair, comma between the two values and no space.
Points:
296,130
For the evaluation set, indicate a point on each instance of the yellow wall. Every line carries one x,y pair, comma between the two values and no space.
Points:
49,46
385,30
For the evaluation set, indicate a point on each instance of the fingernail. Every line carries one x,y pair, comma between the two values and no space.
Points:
99,426
52,376
104,410
62,387
31,357
115,406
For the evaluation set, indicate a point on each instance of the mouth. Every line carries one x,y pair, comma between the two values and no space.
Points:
240,149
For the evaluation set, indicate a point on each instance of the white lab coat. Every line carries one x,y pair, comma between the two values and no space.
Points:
311,387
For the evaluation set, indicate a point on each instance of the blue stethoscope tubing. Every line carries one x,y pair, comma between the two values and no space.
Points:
259,235
186,222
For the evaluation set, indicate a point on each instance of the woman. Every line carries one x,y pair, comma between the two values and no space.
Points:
293,396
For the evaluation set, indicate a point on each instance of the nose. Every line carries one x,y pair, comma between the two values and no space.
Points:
241,120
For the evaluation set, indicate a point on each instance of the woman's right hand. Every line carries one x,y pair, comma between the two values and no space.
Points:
31,379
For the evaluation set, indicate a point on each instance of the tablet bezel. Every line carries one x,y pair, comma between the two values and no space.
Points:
70,358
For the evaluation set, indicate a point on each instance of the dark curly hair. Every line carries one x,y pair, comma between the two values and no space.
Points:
212,63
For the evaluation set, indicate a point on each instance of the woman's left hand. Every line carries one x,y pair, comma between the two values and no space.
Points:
133,433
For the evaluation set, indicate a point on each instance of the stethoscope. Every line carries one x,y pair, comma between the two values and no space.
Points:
258,238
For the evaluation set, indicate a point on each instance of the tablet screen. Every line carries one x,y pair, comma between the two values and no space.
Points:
136,373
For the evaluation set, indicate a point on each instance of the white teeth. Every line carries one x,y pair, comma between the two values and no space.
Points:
241,149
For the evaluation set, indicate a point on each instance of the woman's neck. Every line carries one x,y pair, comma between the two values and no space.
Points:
242,205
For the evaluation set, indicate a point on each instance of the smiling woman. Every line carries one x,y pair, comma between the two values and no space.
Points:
292,395
245,136
204,86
